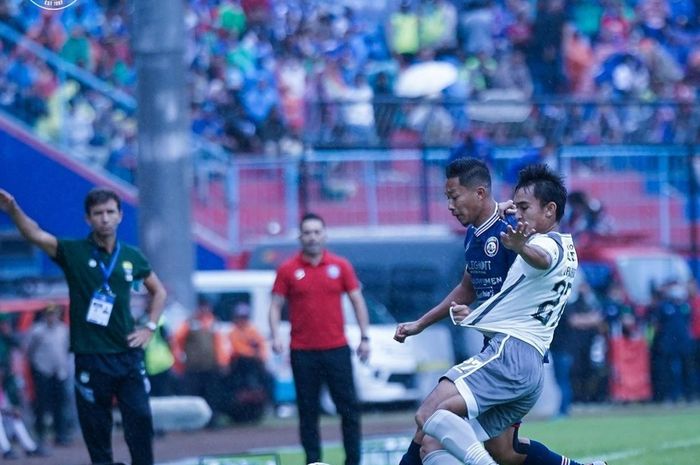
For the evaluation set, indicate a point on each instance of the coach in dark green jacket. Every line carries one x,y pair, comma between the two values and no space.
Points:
100,271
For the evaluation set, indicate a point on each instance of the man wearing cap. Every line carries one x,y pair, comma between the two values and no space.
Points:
246,340
250,382
108,346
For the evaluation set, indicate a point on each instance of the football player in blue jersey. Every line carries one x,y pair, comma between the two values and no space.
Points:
470,200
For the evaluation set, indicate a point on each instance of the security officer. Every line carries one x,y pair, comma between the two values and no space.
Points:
100,272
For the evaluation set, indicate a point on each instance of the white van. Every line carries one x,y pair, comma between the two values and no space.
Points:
394,372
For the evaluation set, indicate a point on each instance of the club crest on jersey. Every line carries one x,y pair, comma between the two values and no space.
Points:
333,271
491,246
128,271
299,274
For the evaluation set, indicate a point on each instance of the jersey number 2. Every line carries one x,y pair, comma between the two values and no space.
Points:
546,309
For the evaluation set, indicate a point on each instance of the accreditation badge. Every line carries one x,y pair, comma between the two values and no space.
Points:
101,306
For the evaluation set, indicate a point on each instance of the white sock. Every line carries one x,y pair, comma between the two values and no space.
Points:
441,457
477,455
458,437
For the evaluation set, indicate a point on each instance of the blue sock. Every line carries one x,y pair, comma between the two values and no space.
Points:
412,455
538,454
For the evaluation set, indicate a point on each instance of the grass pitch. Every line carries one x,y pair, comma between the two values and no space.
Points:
621,435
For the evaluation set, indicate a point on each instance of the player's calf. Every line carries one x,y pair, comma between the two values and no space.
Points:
539,454
412,455
441,457
503,448
458,437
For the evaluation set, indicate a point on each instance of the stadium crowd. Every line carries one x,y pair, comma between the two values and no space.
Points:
609,349
257,70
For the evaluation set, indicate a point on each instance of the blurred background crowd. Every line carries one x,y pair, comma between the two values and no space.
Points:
269,79
259,71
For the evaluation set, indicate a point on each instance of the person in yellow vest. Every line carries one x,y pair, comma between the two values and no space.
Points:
402,32
159,360
437,26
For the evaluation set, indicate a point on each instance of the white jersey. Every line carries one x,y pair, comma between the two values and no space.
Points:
531,301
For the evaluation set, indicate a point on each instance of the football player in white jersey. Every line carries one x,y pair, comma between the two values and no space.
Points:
500,385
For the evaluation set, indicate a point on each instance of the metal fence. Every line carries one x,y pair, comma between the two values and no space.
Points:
646,191
639,160
503,120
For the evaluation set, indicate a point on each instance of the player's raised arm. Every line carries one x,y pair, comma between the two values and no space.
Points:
462,293
517,239
29,228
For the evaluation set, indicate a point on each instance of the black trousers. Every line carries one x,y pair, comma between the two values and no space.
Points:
99,379
312,369
207,384
51,397
161,384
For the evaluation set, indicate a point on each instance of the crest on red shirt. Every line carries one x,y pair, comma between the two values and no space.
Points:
299,274
333,271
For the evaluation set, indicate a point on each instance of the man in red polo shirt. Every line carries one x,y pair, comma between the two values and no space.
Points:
312,283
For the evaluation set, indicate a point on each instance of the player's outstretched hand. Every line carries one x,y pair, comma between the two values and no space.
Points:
516,238
403,330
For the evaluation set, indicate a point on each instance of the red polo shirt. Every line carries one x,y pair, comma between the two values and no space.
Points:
314,294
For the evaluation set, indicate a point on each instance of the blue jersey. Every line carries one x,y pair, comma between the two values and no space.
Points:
487,261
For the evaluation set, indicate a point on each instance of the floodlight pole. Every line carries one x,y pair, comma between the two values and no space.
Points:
164,175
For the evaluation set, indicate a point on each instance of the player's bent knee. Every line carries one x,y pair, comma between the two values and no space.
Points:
422,414
449,429
504,456
455,405
443,391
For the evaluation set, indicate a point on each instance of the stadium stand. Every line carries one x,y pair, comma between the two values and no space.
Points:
254,67
274,79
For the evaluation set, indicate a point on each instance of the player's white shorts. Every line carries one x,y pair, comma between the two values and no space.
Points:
501,384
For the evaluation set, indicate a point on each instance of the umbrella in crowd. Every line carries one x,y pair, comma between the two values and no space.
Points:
425,79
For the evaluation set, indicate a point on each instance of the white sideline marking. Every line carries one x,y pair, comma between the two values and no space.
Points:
615,455
626,453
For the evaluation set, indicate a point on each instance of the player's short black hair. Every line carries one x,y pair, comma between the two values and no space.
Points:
547,186
311,216
100,195
471,172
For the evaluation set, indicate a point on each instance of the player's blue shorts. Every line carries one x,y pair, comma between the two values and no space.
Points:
500,385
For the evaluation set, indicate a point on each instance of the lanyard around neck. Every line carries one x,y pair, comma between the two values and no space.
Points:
107,270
